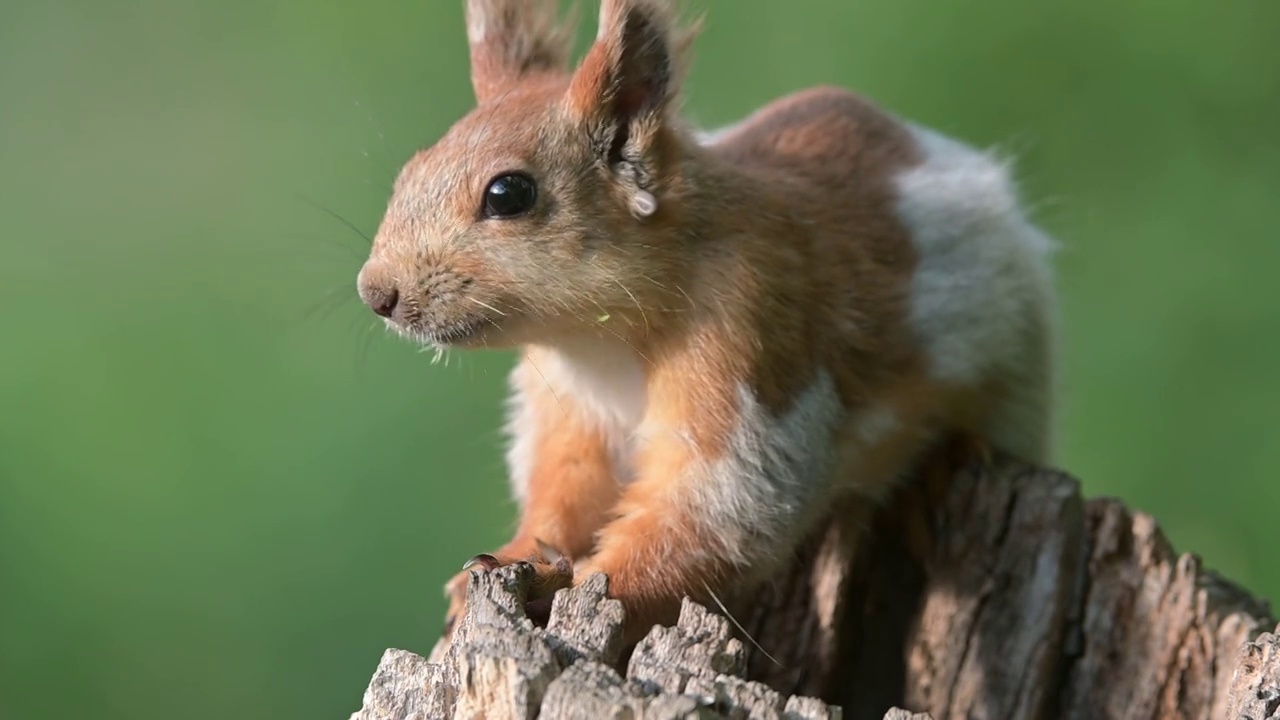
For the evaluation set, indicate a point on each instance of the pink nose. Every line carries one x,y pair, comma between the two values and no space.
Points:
383,302
381,296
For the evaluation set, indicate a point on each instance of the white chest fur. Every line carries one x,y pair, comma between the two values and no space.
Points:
603,381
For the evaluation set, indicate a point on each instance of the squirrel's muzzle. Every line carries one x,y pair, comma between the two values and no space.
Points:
379,292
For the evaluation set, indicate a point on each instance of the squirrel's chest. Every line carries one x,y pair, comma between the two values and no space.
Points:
608,387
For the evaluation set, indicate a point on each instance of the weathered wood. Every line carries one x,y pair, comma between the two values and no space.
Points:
993,593
1159,634
1255,687
899,714
500,666
406,687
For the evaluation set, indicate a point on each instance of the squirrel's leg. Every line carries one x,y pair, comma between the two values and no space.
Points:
726,487
562,477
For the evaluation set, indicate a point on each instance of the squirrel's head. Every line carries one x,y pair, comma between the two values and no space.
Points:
550,208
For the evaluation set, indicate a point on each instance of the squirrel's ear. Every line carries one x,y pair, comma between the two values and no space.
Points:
512,39
632,72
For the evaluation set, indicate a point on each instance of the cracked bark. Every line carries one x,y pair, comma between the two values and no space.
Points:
995,593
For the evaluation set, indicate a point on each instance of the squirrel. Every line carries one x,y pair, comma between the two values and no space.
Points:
721,334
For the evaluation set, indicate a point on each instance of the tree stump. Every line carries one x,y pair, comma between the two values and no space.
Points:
995,593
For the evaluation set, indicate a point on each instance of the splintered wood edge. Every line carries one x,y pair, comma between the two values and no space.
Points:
500,666
1255,685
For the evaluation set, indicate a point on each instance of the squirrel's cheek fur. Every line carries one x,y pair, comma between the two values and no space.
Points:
724,337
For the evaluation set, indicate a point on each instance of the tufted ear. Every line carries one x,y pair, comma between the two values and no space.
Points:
511,40
632,73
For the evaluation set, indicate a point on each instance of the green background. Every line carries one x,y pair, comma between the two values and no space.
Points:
215,502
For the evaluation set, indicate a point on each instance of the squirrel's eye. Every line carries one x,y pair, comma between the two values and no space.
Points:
509,195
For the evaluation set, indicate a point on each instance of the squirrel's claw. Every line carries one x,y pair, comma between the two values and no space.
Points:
485,560
553,570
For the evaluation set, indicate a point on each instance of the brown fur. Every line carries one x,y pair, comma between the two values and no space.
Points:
774,255
571,489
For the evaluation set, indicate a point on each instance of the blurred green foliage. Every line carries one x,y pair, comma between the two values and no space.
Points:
215,503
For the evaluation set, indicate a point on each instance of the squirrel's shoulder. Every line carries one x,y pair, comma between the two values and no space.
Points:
821,129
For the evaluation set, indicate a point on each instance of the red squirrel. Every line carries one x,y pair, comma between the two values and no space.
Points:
722,334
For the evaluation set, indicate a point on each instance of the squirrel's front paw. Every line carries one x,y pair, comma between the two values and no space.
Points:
552,571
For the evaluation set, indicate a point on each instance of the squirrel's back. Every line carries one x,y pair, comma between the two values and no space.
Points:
943,216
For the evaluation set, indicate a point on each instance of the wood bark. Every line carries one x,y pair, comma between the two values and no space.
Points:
997,592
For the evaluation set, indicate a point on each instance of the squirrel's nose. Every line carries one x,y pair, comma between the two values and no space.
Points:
383,301
381,297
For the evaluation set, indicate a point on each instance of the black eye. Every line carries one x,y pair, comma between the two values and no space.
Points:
509,195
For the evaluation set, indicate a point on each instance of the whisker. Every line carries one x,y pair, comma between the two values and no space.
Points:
363,345
644,316
438,353
615,333
327,304
661,286
316,241
655,282
686,297
550,389
357,328
628,342
487,305
734,620
350,225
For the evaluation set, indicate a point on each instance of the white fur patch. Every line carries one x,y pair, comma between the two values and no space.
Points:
606,378
522,429
485,20
477,24
603,380
776,477
981,298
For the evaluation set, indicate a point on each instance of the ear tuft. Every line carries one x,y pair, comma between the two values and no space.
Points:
513,39
637,63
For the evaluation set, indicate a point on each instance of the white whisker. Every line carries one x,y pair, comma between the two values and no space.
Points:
734,620
483,304
639,307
